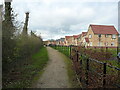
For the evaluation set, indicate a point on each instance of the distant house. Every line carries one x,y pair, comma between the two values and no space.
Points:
52,42
75,40
81,40
101,35
60,41
68,40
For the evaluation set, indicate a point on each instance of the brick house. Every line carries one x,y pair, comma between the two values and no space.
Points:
101,35
68,40
60,41
75,40
81,38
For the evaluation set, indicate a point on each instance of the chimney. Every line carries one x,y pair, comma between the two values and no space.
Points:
25,29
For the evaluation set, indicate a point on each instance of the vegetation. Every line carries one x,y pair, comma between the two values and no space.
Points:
95,67
64,49
23,55
22,77
71,73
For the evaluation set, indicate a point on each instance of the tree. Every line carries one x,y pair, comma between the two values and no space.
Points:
8,42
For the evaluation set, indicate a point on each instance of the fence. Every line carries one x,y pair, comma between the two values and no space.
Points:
91,72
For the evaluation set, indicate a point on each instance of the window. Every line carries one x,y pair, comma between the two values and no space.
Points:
106,35
113,36
112,44
106,43
90,36
90,43
99,43
99,35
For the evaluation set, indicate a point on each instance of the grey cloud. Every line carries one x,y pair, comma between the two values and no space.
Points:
57,18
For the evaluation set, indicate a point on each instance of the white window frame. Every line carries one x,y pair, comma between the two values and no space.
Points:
99,43
90,35
113,36
90,43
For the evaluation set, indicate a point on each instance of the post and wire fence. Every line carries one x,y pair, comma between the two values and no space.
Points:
92,73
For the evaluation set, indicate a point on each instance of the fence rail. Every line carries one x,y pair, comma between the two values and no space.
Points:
92,72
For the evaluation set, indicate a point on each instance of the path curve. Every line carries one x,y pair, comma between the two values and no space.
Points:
55,74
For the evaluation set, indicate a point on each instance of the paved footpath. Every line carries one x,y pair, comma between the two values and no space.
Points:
55,74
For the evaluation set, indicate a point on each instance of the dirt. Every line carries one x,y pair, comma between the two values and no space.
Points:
55,73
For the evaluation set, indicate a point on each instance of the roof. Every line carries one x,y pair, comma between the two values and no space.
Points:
103,29
62,39
86,39
84,33
67,37
76,36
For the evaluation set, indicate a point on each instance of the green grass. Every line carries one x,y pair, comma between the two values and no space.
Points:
30,73
71,73
64,49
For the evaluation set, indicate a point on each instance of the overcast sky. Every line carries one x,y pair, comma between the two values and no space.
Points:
54,19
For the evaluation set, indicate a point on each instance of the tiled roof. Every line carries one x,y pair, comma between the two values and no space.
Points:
104,29
84,33
76,36
67,37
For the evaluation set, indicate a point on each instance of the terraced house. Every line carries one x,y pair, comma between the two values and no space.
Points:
102,36
96,36
68,40
75,40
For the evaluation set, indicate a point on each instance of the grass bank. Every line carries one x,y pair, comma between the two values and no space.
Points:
24,76
71,73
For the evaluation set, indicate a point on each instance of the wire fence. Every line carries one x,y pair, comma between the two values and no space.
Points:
91,73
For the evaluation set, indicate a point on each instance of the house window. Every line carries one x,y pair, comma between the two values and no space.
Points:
106,44
106,35
90,36
113,36
90,43
99,35
99,43
112,44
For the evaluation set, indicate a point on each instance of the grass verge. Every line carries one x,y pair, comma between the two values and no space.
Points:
71,73
24,76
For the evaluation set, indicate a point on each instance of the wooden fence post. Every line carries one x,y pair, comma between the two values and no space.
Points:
117,50
104,74
87,71
81,69
70,52
77,56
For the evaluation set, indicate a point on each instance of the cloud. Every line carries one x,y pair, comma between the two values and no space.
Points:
57,18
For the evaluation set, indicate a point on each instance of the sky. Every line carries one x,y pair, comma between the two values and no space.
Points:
53,19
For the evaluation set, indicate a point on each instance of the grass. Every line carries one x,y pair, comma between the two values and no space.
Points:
28,73
71,73
64,49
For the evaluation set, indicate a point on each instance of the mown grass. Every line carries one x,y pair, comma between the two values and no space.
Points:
29,72
71,73
64,49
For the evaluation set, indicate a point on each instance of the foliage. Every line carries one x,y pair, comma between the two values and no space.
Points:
22,77
16,47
